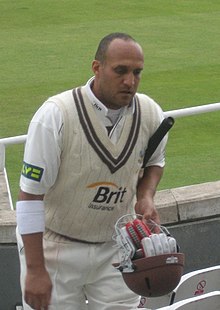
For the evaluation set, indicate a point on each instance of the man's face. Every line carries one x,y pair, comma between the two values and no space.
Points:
118,77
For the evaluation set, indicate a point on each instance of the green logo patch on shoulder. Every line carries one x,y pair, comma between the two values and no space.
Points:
32,172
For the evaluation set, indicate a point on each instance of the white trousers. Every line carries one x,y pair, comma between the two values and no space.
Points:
81,271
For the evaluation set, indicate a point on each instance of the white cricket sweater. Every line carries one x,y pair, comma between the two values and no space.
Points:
97,179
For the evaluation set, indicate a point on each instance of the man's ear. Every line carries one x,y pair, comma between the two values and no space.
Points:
96,66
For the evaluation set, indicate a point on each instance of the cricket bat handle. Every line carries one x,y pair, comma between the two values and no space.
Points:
156,138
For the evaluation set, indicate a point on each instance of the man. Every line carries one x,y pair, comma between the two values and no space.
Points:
82,171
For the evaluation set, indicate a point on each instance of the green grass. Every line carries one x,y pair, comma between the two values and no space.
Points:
47,46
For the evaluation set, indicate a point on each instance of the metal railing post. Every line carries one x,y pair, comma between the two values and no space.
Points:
2,157
4,172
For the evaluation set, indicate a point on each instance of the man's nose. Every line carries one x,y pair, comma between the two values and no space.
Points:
129,79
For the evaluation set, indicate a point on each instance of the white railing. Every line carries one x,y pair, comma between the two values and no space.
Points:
193,110
174,113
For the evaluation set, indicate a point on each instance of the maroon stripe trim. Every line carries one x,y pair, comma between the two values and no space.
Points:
113,163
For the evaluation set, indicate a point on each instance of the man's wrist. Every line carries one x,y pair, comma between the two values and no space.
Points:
30,216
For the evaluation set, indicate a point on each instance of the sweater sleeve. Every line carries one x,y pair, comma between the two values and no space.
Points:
42,150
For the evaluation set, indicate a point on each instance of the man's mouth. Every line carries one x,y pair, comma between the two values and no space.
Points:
127,92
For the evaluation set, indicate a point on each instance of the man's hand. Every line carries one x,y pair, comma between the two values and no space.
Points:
38,288
146,208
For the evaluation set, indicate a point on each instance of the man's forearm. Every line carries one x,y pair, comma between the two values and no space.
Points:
147,185
33,247
146,190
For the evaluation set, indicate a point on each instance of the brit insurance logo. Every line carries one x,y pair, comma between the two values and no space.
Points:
32,172
106,195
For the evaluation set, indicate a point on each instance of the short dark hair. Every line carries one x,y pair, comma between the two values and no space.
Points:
104,43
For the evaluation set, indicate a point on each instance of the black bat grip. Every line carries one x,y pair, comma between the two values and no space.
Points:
156,138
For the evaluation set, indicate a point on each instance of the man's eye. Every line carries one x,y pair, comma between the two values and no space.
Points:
120,70
137,72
